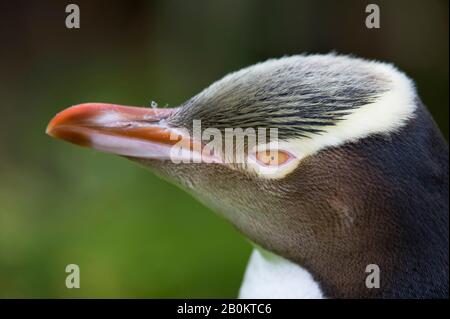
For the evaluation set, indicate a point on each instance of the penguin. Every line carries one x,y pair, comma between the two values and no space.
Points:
349,199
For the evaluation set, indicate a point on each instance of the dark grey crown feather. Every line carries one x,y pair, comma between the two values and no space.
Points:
298,95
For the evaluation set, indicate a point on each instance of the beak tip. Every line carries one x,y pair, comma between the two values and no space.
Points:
50,129
68,116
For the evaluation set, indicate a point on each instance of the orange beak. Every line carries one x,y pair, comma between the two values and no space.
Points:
123,130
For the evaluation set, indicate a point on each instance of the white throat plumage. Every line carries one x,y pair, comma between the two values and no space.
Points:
269,276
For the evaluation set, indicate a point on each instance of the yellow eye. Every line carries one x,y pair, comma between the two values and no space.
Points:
272,158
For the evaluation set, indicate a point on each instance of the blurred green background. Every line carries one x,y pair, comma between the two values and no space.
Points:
132,234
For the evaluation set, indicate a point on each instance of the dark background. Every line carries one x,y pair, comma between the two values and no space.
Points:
132,234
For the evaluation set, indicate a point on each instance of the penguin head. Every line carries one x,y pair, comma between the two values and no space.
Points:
310,128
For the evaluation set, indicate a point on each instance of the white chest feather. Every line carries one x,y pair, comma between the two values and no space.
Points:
272,277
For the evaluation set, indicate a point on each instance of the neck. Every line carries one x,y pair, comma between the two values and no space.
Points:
269,276
397,219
